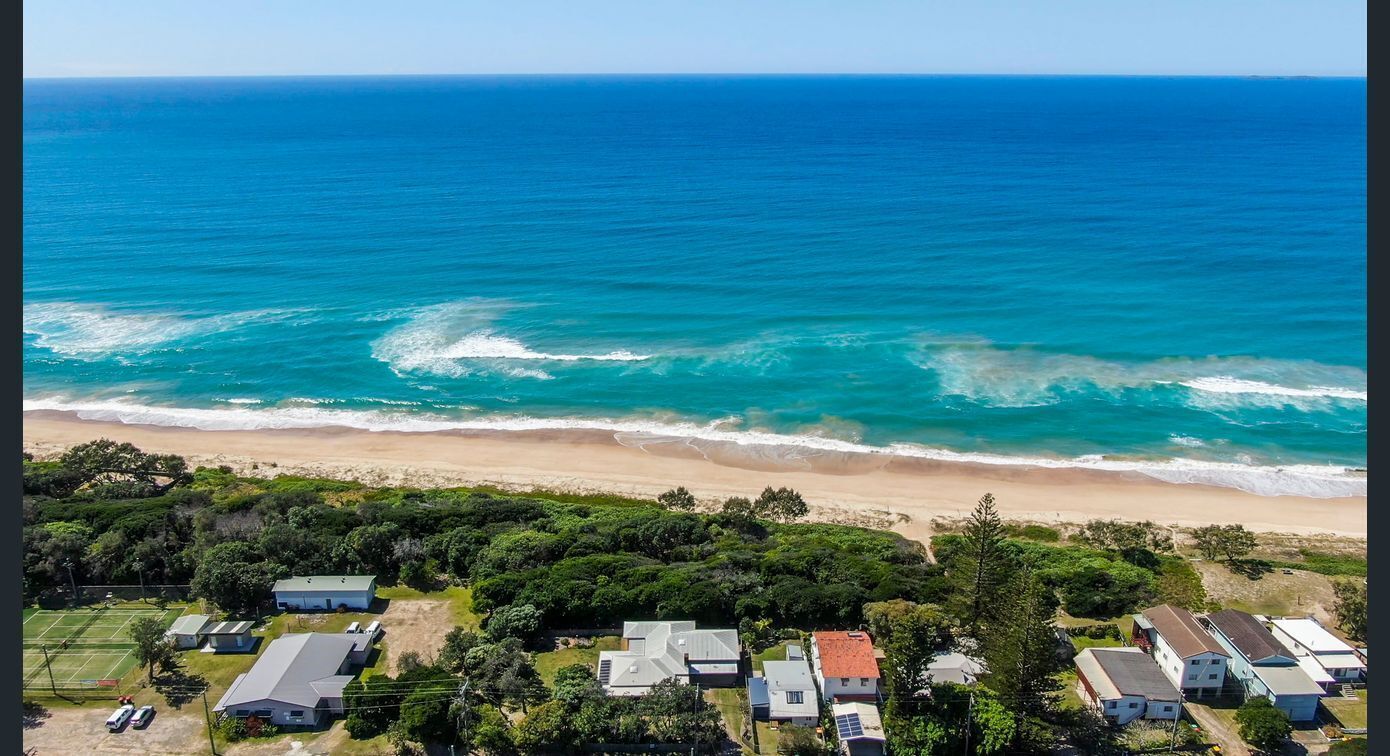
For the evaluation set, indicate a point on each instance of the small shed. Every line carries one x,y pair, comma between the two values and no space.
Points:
187,631
234,636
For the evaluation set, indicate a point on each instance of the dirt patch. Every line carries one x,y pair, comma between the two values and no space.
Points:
417,625
1301,593
82,729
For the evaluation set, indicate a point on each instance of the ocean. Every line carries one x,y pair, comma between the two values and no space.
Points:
1156,274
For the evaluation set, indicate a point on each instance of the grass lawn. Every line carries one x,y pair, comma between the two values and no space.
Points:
730,707
1082,642
550,662
1350,713
460,601
767,737
776,653
1069,699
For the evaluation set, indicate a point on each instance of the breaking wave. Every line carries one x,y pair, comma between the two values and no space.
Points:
1316,481
91,332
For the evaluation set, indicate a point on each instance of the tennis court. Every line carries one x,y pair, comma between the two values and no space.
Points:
84,645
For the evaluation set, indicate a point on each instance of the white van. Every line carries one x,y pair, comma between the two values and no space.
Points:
373,629
355,627
119,717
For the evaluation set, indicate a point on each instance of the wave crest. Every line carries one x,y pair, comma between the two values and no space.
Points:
91,332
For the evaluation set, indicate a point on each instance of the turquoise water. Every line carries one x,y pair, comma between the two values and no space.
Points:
1073,271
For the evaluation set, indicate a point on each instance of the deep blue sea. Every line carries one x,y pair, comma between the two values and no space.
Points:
1100,272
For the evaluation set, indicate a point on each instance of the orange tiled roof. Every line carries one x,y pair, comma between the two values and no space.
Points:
846,654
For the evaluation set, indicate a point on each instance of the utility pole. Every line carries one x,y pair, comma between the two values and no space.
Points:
969,712
49,666
207,717
141,573
1174,743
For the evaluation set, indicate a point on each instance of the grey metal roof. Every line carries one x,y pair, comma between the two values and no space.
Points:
1288,681
954,667
1180,629
794,652
188,624
788,675
314,583
288,668
757,692
1249,637
660,650
229,628
1133,673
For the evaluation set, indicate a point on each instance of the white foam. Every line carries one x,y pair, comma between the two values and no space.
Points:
1187,441
456,339
240,400
989,375
1317,481
88,332
1225,384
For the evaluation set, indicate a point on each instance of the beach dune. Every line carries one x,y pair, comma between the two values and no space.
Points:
907,492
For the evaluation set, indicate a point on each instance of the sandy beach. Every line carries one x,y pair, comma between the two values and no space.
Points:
903,493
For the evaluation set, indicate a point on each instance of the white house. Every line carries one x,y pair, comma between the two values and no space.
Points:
954,667
1124,684
325,592
656,651
785,693
1310,640
187,631
1264,666
297,681
1188,655
844,665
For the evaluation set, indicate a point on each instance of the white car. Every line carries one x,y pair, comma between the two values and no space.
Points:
142,717
119,717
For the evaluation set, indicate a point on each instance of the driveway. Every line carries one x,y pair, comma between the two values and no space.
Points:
1218,728
82,729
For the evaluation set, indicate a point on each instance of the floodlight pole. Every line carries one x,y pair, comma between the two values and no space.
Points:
71,580
1174,743
49,666
207,717
969,711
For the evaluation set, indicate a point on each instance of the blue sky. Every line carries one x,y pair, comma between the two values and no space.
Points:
301,37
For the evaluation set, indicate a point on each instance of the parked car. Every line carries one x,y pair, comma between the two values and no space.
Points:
119,717
142,716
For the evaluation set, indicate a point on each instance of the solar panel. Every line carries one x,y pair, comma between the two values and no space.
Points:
605,667
848,726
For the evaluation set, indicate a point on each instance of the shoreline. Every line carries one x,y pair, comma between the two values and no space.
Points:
877,489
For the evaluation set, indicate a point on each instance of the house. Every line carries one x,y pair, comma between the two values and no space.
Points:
1125,684
1189,656
954,667
859,728
1263,665
229,636
298,680
325,592
785,693
656,651
1310,641
844,665
187,631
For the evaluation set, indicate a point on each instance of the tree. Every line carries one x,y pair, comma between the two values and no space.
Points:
521,621
909,644
425,714
1020,647
677,498
457,643
983,561
1350,608
740,509
372,705
1262,725
546,727
677,713
233,576
1135,542
493,734
575,684
151,647
783,504
105,461
1229,541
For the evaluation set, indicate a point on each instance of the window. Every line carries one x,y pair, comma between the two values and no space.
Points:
1133,704
263,713
1109,704
794,697
1214,661
1167,709
1195,662
844,681
863,682
1192,676
243,712
1211,677
297,713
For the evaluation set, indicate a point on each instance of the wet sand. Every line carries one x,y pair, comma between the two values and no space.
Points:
838,486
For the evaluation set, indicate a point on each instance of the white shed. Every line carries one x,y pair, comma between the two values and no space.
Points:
326,592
